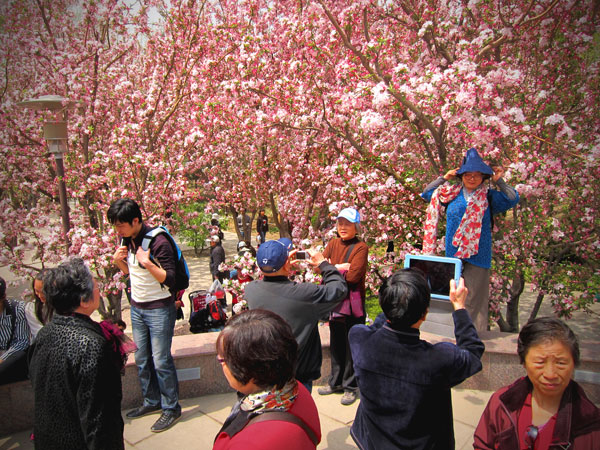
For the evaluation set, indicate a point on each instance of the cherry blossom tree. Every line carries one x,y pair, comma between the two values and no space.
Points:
307,107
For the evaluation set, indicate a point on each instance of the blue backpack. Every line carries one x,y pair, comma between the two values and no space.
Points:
182,273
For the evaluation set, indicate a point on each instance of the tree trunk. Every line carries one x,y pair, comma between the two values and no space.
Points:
248,227
511,324
280,223
536,307
110,307
234,214
512,309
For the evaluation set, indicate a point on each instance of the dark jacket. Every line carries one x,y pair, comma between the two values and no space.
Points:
77,386
577,424
217,256
405,384
262,224
301,305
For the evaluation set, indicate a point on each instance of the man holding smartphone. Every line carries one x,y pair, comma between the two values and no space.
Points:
153,311
300,304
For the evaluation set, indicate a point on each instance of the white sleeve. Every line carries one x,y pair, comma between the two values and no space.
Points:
34,324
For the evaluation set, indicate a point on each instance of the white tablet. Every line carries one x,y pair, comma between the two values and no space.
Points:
438,270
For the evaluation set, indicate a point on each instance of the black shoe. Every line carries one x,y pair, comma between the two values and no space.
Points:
327,390
165,421
142,411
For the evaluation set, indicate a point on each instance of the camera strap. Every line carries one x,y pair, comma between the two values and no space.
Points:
349,252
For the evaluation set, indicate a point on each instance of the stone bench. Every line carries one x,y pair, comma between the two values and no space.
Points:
200,374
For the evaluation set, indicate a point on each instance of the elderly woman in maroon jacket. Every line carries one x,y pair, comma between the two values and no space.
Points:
546,409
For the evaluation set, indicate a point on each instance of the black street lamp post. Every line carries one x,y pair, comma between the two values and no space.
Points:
55,133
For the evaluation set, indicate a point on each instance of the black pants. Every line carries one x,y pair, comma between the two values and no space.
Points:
342,370
14,368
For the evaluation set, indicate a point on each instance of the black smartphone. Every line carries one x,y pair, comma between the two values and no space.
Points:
301,254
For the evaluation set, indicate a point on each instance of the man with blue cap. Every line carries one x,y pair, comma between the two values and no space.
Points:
470,205
300,304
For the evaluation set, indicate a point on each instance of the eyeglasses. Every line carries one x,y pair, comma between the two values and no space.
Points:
531,435
472,175
220,360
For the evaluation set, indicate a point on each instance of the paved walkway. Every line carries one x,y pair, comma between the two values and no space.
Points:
203,416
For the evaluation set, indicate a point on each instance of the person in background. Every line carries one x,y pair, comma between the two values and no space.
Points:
75,369
262,226
405,381
216,226
244,222
390,254
243,247
257,352
546,409
349,254
470,205
217,257
38,312
14,338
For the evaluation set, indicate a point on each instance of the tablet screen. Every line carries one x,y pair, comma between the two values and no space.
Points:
438,271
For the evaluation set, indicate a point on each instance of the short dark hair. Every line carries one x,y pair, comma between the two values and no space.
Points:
547,329
2,289
259,346
124,210
67,285
404,297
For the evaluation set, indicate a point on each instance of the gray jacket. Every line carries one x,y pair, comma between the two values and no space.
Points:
301,305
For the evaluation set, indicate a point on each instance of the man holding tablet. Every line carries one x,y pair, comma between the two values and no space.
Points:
404,381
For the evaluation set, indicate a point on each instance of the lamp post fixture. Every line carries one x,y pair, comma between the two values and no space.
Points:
55,133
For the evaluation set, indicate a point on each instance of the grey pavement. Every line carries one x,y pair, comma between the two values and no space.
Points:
202,418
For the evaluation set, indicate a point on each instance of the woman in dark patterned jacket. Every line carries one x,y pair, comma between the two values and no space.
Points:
75,369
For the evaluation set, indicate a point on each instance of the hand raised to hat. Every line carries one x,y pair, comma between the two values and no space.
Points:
498,172
451,174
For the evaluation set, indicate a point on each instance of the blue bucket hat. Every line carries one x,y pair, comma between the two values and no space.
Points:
272,255
472,162
350,214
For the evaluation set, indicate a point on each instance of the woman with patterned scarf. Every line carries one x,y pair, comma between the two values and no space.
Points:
257,352
469,205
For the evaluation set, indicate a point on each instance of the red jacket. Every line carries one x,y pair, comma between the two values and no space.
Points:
275,434
577,423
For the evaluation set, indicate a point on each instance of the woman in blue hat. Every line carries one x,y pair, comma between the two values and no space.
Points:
469,205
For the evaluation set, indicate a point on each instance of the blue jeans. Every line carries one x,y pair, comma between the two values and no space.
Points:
153,333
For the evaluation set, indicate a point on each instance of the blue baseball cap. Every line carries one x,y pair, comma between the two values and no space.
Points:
272,255
350,214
